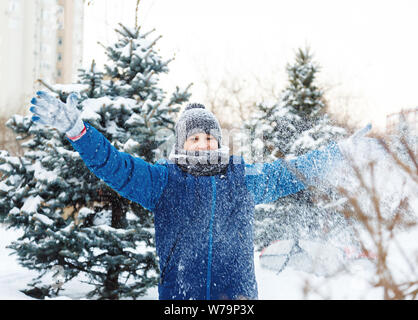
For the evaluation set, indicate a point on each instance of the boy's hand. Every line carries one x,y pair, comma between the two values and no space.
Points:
355,138
348,145
65,117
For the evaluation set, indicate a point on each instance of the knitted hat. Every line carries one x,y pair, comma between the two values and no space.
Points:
196,119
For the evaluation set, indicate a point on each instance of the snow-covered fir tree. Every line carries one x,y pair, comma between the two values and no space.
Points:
302,97
71,219
292,126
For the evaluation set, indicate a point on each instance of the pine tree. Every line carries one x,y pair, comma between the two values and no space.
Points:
71,218
92,79
316,137
302,97
294,125
272,129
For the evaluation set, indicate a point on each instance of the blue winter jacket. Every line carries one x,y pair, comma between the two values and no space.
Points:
203,224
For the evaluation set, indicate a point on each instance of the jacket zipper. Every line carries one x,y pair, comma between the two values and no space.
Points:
209,271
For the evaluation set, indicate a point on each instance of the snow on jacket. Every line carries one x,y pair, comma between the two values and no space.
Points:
203,224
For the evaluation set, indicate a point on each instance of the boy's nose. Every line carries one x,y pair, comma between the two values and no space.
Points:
202,145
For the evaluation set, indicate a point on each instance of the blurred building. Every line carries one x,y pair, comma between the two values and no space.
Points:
405,119
39,39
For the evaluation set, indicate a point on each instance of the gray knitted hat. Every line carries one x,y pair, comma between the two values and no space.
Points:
196,119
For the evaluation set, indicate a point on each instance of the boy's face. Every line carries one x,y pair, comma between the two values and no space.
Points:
201,141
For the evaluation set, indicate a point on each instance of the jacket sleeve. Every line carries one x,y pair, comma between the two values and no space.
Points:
269,181
132,177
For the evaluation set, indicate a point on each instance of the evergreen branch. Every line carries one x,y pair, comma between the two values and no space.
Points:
155,41
152,112
93,81
45,85
102,45
168,61
149,32
174,100
76,267
126,30
146,55
130,51
147,79
120,32
136,15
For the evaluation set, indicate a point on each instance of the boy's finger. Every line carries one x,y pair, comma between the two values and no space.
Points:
41,103
38,110
38,119
72,99
362,132
48,97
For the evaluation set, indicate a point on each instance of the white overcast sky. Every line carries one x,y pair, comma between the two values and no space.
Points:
367,49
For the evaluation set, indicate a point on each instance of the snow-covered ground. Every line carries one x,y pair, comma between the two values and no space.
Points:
289,284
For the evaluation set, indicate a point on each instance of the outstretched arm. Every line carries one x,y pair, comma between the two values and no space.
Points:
270,181
131,177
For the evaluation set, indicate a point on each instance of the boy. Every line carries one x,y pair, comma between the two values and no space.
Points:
202,199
